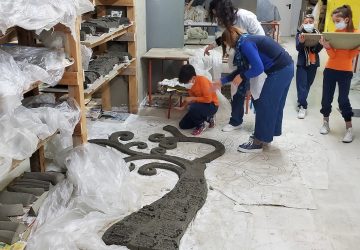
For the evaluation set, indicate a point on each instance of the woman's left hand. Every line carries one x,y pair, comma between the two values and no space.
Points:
237,80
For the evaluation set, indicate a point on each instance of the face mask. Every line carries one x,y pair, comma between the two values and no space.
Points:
340,25
309,27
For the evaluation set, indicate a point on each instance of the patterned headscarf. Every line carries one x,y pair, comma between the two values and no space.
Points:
239,60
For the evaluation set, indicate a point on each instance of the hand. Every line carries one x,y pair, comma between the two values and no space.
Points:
237,80
216,86
189,99
301,38
325,43
208,48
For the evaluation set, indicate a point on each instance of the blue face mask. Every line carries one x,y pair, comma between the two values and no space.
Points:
308,27
340,25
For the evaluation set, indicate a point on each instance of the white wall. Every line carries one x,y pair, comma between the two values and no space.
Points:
296,8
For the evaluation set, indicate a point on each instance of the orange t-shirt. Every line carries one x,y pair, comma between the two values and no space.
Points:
341,59
202,91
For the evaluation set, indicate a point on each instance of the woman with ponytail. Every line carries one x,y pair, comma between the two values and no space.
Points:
253,56
338,70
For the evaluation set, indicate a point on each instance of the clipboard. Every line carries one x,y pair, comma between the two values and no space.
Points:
343,40
311,39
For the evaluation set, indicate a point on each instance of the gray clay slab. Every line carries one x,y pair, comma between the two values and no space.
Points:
343,40
7,236
53,177
356,112
34,191
11,210
16,198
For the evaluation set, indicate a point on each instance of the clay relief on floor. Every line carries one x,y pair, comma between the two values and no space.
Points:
162,224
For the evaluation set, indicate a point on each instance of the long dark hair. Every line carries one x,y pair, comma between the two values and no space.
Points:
345,12
225,12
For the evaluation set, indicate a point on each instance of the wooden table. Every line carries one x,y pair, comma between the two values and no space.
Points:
162,54
275,26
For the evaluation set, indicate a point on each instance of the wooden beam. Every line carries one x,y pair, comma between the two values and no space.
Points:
106,97
133,95
128,37
130,71
71,78
115,2
37,160
25,37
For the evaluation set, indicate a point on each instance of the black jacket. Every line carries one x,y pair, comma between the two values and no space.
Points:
302,50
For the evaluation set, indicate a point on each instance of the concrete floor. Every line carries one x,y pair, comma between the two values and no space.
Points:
329,170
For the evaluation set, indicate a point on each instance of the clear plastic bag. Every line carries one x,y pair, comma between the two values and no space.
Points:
41,14
97,192
5,166
208,66
39,64
12,82
110,189
16,142
86,54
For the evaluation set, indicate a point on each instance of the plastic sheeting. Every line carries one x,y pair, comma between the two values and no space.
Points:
39,64
11,85
98,192
86,54
41,14
20,133
21,66
5,166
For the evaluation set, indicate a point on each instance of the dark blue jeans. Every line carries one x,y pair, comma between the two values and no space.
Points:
270,105
305,76
237,104
343,78
198,113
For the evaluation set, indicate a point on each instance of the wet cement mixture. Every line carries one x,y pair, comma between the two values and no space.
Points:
162,224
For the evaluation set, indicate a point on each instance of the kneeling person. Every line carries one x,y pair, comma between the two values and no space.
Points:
203,102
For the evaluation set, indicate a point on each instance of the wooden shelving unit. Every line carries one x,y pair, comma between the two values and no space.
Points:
96,41
73,78
124,34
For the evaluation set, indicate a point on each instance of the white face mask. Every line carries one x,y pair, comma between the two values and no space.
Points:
340,25
309,27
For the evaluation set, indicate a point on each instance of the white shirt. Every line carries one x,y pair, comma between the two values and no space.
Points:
248,22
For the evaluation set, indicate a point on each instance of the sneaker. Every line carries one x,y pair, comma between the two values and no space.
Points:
199,130
211,122
301,113
325,129
348,136
229,128
250,147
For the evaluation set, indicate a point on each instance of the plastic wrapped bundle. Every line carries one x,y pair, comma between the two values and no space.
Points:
20,133
41,14
12,83
39,64
99,190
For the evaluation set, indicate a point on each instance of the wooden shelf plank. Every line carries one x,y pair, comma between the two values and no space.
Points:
96,41
41,143
100,82
125,3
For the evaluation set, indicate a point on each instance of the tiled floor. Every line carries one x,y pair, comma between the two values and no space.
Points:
314,202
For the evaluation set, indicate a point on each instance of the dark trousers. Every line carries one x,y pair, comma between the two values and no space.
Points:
343,78
305,76
270,105
237,104
197,114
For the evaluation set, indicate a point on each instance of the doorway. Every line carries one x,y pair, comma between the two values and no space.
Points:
285,8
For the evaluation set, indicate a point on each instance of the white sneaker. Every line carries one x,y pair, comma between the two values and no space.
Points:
325,129
348,136
301,113
229,128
